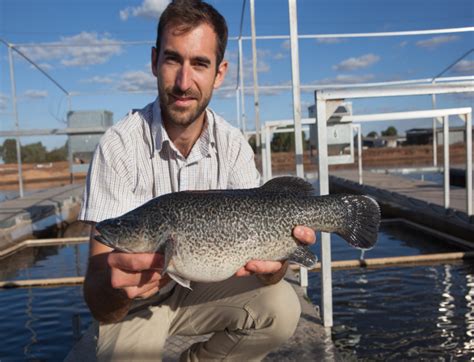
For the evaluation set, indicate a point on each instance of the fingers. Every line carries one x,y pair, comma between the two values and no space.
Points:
263,266
138,275
304,234
136,262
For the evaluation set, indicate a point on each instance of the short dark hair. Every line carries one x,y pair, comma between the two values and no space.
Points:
188,14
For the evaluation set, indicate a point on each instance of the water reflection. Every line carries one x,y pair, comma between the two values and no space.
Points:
29,326
446,311
469,345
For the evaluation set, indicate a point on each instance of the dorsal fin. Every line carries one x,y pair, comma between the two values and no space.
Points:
287,184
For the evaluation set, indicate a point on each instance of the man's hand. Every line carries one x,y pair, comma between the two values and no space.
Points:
138,275
304,234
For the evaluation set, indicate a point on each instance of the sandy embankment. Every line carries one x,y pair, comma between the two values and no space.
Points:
38,176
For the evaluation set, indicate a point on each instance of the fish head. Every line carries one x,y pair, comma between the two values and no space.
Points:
130,235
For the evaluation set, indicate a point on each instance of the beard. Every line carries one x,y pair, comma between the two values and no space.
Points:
177,115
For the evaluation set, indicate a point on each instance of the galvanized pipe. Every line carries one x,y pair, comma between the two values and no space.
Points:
255,76
468,118
268,141
446,160
323,170
17,123
358,128
242,87
295,76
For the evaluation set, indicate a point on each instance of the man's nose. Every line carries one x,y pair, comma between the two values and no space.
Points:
183,78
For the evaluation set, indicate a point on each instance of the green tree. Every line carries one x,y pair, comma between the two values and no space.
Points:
285,142
390,131
58,154
373,134
33,153
9,151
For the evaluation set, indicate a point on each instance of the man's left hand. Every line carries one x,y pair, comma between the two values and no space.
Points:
304,234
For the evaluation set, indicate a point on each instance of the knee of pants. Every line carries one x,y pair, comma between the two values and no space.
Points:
277,311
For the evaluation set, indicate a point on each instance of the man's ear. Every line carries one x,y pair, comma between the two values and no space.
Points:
221,72
154,61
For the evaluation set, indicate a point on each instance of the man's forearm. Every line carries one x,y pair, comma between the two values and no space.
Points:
107,305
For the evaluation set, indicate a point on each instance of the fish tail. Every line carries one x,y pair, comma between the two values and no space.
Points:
359,220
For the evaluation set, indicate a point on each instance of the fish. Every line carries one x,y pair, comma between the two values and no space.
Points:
206,236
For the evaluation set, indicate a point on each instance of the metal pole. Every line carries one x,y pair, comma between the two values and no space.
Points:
468,118
237,105
17,124
242,88
255,77
268,141
323,165
264,150
446,160
295,75
435,142
359,152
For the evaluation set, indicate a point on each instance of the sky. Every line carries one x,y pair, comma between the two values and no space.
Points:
81,45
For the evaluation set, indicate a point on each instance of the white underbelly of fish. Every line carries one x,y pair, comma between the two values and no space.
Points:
184,270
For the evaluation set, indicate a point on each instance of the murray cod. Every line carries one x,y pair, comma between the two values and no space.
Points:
206,236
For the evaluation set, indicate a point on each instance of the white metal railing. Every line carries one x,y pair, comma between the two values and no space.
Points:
331,95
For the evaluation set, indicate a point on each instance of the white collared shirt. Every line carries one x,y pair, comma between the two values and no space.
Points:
136,161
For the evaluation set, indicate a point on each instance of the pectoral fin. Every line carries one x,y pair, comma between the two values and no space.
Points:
181,281
304,257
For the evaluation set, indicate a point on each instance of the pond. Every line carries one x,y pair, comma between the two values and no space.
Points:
421,312
396,313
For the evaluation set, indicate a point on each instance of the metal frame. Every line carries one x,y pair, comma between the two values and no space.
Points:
322,97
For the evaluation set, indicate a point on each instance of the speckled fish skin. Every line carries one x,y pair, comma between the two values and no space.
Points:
207,236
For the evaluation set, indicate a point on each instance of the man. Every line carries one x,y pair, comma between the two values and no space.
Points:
175,144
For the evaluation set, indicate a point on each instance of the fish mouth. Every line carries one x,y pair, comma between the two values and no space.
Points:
104,240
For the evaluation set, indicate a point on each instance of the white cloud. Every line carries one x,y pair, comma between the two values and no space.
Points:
149,9
78,50
436,41
347,79
403,44
137,80
35,94
363,61
329,40
3,101
98,80
44,66
464,66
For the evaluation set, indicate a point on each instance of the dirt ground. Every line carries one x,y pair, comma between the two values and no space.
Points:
40,176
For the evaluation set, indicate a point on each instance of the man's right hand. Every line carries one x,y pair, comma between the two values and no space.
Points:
114,279
138,275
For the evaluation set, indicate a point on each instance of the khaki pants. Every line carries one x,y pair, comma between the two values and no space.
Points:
247,318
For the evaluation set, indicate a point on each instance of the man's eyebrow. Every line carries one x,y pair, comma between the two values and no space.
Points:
204,60
172,53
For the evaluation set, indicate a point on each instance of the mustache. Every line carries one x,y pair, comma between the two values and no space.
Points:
188,93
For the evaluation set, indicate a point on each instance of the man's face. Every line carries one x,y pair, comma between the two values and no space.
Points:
186,72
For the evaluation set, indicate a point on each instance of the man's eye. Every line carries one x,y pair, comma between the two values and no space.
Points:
171,60
201,65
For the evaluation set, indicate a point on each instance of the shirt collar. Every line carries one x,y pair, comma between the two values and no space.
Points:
205,143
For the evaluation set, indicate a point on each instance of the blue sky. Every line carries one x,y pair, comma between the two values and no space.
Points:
101,70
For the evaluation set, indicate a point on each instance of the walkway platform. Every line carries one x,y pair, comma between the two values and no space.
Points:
416,200
37,214
310,342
